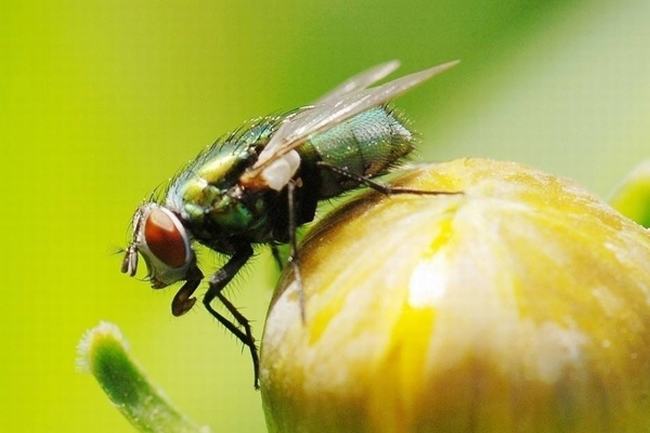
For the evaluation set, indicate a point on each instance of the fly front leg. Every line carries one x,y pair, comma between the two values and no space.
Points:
293,259
380,187
184,301
217,282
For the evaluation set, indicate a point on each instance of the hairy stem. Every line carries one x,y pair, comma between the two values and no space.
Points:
103,353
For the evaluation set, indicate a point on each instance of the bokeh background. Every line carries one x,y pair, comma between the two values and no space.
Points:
101,101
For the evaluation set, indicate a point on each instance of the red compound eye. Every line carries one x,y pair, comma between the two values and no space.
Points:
164,239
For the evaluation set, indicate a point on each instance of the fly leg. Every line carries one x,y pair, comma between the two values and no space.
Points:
217,282
293,259
248,336
277,256
380,187
184,301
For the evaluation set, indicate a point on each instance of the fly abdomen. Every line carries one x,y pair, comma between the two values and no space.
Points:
367,145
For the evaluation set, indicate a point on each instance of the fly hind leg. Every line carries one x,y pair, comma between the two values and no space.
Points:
218,281
380,187
294,259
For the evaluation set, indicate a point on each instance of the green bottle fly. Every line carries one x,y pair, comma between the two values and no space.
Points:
258,184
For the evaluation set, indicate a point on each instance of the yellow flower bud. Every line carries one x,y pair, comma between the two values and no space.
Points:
522,305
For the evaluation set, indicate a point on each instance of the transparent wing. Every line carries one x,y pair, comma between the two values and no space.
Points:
339,108
359,81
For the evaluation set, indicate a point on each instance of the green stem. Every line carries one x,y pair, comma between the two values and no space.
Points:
103,353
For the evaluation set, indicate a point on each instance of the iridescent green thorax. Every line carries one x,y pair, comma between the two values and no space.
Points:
205,193
208,198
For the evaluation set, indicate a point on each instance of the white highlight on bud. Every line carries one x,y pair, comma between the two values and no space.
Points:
428,283
280,171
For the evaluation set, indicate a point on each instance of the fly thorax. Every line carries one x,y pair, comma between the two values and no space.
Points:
197,194
230,214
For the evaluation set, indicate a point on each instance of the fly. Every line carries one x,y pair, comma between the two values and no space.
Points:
257,185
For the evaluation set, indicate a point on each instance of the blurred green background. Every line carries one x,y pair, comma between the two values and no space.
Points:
100,102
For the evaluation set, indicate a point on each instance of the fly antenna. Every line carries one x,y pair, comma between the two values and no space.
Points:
130,262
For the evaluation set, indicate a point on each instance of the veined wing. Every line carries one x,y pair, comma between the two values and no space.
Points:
338,109
359,81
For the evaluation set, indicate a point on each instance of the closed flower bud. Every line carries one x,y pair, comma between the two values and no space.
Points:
521,305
